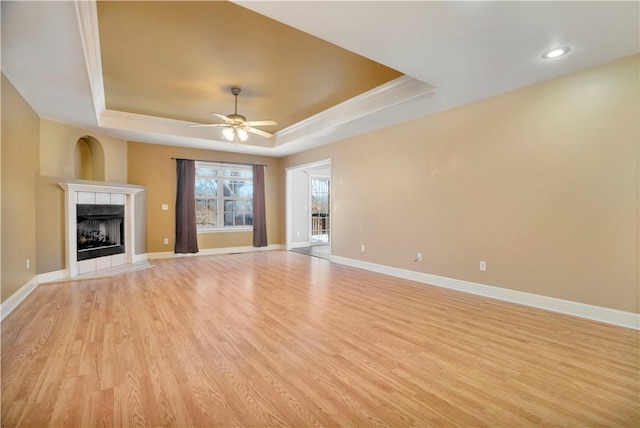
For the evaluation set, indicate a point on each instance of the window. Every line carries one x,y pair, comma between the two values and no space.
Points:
224,197
320,210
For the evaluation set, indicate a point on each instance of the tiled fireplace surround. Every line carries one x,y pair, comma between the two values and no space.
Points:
98,194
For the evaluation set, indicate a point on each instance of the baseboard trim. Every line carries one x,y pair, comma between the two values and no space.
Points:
53,276
16,298
213,251
300,244
568,307
139,257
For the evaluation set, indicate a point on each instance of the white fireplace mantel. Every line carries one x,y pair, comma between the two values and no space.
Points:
129,189
94,193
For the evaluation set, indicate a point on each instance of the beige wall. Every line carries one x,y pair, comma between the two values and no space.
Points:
20,136
50,233
58,145
541,183
57,161
151,165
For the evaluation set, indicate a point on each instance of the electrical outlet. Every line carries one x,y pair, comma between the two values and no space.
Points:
28,263
166,240
362,248
483,266
419,257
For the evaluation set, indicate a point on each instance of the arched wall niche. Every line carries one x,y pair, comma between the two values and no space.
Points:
89,159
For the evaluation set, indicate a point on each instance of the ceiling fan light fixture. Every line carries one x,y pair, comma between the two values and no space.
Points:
229,134
242,134
235,134
556,52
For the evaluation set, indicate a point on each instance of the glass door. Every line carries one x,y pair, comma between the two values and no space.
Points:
320,208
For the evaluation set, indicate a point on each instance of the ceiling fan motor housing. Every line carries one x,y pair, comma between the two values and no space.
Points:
237,118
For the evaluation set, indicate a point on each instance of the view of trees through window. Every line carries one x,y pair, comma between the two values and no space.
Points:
224,196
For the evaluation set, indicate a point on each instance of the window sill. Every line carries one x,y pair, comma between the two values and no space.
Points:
227,229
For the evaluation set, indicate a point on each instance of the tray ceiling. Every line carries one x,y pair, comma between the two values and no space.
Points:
179,60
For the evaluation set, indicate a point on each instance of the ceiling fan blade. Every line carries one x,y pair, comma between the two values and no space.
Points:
210,124
223,117
261,123
258,132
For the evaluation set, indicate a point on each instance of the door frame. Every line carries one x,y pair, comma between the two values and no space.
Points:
289,202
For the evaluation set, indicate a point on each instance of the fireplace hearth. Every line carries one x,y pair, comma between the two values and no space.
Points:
100,230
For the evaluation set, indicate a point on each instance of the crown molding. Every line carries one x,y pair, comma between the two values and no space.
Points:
87,14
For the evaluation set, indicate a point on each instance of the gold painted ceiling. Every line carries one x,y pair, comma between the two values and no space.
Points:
179,60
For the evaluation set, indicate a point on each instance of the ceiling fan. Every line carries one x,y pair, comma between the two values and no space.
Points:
236,125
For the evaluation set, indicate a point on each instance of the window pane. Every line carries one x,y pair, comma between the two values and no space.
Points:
206,187
206,212
228,191
239,188
206,171
238,212
320,196
238,173
245,190
206,219
228,219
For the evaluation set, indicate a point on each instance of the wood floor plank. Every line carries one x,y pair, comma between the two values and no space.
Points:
282,339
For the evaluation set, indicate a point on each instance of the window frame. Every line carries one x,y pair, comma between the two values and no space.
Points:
220,177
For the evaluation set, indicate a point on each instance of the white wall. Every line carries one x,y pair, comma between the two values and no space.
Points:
299,223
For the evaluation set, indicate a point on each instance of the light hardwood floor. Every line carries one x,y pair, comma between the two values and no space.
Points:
278,338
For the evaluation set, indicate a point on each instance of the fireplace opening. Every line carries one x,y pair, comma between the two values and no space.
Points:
100,230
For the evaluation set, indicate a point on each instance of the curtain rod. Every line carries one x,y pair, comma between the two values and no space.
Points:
229,162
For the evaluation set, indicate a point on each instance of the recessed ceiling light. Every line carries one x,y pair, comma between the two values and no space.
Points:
556,52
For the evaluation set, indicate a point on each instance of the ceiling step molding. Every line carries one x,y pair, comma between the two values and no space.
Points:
160,130
326,123
392,93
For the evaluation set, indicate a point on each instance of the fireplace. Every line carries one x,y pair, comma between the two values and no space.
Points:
100,230
100,226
